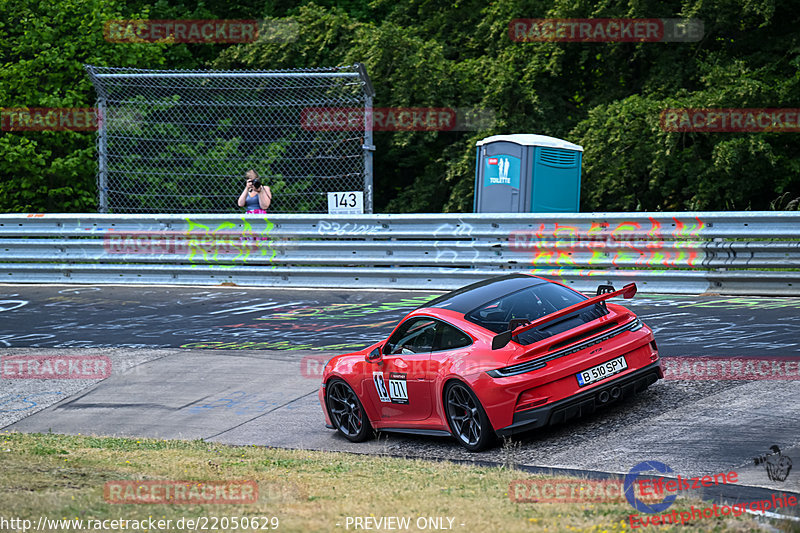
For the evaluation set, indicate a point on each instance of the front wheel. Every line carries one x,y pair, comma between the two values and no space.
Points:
468,421
347,413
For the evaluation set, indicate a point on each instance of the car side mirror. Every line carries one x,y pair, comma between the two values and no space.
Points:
375,356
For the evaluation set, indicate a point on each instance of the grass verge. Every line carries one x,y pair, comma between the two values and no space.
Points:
63,477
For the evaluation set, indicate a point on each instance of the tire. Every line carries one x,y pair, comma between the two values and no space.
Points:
468,421
346,412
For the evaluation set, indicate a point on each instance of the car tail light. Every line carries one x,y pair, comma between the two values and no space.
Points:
529,400
654,348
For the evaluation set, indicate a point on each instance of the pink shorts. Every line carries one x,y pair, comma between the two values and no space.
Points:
258,211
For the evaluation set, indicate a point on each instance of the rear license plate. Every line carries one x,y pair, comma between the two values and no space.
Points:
602,371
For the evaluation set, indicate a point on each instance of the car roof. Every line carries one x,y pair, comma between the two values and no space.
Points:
468,298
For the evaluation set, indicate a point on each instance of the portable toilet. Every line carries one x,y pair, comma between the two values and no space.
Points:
526,173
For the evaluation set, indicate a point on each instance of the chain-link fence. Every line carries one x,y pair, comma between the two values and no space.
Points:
180,141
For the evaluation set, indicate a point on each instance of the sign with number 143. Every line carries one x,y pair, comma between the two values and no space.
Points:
346,203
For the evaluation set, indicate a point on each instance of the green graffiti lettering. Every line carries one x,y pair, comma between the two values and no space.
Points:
269,345
216,247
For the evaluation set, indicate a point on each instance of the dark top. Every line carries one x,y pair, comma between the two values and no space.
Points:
251,202
468,298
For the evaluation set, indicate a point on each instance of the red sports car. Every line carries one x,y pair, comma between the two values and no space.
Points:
498,357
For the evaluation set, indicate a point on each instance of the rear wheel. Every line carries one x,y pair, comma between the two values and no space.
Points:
347,413
468,421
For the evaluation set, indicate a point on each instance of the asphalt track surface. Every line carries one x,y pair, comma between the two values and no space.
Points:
239,366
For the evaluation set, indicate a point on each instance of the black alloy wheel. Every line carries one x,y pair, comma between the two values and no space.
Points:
346,412
468,421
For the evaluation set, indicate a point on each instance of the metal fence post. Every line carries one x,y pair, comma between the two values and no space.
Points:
102,151
369,145
369,148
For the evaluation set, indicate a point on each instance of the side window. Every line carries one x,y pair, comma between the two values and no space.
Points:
416,335
450,338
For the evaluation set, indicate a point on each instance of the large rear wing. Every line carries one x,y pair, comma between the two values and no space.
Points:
502,339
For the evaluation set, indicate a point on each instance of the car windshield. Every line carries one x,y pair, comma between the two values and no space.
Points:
532,303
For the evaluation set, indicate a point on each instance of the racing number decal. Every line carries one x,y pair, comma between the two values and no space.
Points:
397,387
380,386
397,391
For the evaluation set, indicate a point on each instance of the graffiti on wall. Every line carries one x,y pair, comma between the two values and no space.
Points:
245,242
342,311
224,246
626,244
455,243
272,345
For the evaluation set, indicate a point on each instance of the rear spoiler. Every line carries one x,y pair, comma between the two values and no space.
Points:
604,292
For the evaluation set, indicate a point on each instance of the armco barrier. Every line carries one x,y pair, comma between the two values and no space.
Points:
719,252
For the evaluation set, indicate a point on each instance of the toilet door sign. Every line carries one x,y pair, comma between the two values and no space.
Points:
501,169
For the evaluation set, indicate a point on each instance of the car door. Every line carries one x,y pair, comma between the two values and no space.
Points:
400,388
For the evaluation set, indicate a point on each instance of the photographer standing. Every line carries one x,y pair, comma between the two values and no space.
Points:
255,197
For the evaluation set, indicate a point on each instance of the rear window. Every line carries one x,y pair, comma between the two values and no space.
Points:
532,303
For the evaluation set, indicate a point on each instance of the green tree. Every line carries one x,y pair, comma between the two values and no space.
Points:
747,59
43,52
407,70
607,97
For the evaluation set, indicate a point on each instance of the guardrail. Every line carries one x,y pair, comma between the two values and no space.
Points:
719,252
